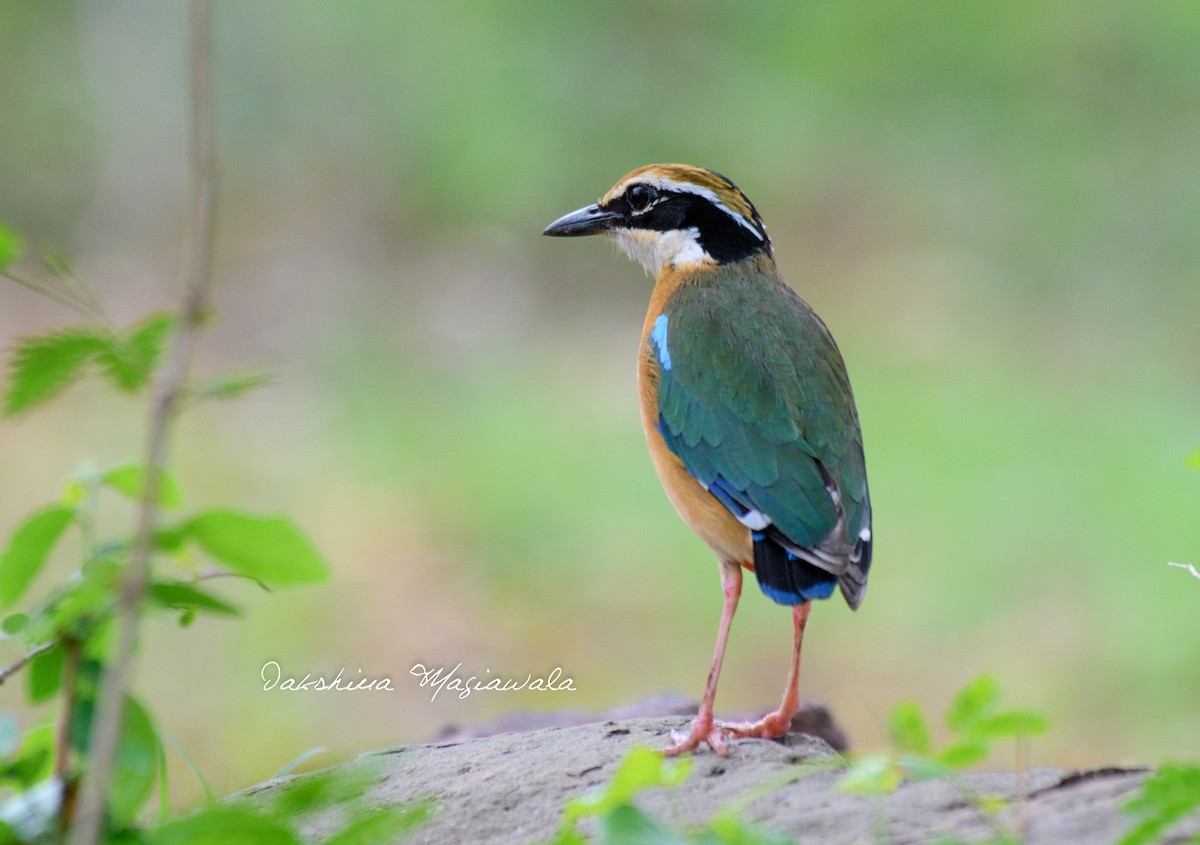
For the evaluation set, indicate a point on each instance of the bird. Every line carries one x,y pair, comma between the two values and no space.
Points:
747,410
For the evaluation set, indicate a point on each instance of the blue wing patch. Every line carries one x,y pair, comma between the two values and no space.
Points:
658,335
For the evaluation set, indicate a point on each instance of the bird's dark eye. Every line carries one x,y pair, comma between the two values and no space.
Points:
641,197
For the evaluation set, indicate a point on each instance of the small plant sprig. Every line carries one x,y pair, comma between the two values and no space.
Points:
69,633
87,775
976,723
281,820
622,821
974,719
1167,797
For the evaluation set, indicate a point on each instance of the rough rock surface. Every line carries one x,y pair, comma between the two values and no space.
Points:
511,787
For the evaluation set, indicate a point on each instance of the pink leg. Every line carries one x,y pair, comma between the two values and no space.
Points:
703,727
775,725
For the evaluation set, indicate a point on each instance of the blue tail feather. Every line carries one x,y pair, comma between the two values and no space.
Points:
784,578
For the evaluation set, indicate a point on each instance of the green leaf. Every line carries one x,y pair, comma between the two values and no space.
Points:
11,246
872,775
727,829
101,642
920,767
43,366
136,766
973,703
181,596
129,360
74,494
567,836
991,805
14,624
45,675
1010,724
1170,794
78,607
627,825
908,729
223,826
270,549
962,754
34,761
640,769
231,385
28,550
130,481
383,825
316,790
170,540
1193,460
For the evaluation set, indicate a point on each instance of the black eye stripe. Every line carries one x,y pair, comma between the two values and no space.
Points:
723,236
641,198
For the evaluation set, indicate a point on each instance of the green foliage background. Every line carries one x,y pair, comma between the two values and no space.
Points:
994,205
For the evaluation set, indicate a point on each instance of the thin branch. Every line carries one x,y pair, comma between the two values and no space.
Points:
1188,567
72,657
195,272
80,299
72,654
210,574
15,667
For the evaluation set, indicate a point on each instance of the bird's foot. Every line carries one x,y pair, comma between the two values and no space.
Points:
717,735
704,730
772,726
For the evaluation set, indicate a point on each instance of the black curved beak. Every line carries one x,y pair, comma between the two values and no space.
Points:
585,221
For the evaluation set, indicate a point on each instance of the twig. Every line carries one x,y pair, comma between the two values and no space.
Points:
15,667
209,574
72,652
72,655
195,272
1188,567
80,299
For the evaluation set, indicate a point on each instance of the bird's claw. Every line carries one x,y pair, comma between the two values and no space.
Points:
703,731
717,735
772,726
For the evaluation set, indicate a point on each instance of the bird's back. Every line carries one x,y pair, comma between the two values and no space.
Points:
751,395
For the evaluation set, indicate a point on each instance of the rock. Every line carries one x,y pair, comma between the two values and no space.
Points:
812,719
511,788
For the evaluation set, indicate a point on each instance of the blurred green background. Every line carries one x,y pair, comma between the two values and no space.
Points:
994,205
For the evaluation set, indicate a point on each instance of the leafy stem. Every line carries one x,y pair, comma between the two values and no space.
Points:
196,280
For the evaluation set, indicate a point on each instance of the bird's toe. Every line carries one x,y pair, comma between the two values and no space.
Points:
772,726
703,731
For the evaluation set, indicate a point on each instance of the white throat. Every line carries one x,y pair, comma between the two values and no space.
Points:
656,250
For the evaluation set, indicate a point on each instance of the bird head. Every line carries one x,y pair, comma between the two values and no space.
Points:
673,215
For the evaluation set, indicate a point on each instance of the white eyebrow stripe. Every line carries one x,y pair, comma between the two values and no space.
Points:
690,188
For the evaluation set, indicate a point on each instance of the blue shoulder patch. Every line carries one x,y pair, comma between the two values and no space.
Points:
659,336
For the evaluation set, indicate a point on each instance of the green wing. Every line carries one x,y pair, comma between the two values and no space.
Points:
755,400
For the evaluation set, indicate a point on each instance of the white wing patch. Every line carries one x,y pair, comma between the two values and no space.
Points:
754,520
